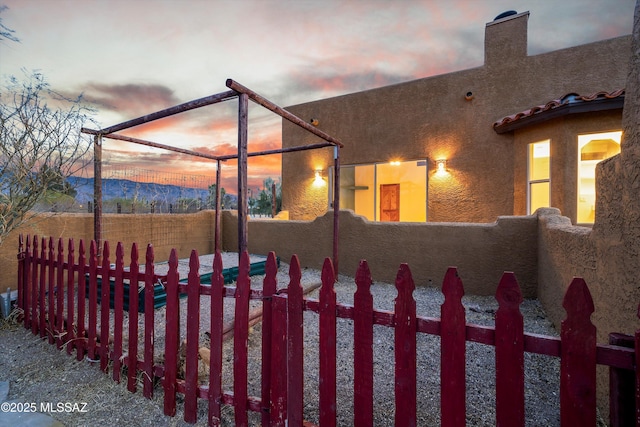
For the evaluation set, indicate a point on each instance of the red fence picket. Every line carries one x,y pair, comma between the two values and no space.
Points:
509,354
241,341
59,294
118,312
70,336
405,349
50,317
193,328
215,361
41,296
295,356
269,288
81,343
453,335
172,336
363,348
35,294
578,359
21,267
279,373
43,289
132,357
149,322
105,289
327,325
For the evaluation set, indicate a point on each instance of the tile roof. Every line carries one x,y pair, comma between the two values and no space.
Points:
561,106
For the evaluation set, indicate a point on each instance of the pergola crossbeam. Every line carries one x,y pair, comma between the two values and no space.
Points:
260,100
158,145
177,109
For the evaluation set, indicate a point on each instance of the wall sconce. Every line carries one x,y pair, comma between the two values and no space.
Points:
441,166
318,179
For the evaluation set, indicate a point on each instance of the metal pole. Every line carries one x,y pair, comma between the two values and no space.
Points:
243,108
336,208
218,207
97,193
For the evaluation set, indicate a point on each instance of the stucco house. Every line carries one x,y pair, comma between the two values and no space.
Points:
517,133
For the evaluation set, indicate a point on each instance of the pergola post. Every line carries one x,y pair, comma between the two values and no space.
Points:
336,207
218,208
243,108
97,192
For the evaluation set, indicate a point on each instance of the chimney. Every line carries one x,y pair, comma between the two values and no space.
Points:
505,38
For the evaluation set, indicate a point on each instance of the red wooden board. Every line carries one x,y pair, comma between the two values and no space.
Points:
509,354
578,358
405,349
452,365
327,341
363,348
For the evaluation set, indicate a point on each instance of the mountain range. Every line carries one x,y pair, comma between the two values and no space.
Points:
142,191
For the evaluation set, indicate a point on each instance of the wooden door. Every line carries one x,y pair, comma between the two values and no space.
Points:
389,202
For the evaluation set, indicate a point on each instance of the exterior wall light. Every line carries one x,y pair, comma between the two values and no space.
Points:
318,180
441,166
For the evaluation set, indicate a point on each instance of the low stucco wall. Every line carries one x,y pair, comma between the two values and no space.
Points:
183,232
481,252
566,251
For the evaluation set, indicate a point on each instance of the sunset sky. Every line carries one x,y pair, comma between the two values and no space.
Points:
133,57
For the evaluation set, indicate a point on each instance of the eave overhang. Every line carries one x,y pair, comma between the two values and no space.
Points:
571,103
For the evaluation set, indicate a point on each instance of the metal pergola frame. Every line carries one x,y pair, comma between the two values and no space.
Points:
243,94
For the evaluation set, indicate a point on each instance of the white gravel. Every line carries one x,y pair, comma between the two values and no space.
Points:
541,377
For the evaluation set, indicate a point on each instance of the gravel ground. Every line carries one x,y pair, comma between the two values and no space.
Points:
38,372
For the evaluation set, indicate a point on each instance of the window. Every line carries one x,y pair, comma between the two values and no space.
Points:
539,176
395,191
592,148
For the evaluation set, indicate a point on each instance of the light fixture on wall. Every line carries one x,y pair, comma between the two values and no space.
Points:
441,165
318,179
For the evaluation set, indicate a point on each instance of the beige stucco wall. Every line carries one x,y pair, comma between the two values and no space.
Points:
480,251
430,118
183,232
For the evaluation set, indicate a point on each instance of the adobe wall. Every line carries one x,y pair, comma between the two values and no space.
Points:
430,118
181,231
608,257
480,251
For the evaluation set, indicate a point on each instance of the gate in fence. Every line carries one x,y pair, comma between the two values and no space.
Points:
65,299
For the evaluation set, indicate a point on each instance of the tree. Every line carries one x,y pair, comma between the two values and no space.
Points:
263,203
40,146
6,33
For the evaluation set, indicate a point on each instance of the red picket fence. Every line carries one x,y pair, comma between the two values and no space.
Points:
54,303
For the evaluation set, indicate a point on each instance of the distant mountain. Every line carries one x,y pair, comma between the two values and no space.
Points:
141,191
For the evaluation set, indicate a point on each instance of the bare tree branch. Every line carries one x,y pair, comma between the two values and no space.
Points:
40,146
7,33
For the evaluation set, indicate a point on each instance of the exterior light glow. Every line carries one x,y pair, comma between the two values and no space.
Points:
318,180
395,163
441,165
